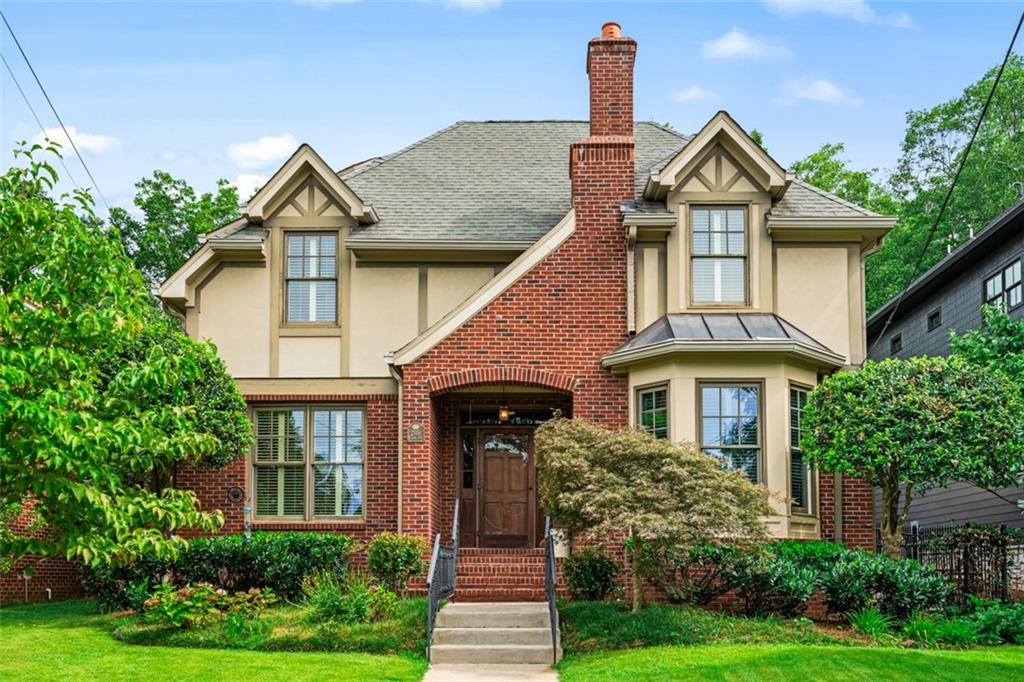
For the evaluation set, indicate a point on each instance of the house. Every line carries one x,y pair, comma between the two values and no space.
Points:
947,298
400,327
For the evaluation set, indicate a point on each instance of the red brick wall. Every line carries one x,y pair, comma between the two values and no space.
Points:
857,513
211,485
610,67
58,575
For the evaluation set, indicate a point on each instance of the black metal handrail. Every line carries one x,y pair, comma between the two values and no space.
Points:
441,575
550,577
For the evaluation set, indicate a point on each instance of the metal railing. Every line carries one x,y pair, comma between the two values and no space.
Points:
441,575
550,578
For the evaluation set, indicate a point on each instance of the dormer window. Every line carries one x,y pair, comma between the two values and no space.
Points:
311,278
718,255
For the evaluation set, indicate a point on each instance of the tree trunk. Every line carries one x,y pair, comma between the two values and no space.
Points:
893,517
638,588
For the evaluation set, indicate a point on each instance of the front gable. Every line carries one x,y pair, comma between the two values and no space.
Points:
308,198
719,171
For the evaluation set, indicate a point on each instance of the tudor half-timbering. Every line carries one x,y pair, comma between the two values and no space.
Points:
400,327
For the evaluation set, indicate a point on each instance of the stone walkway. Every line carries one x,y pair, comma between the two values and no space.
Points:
465,672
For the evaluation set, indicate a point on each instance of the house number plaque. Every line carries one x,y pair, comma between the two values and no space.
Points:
415,434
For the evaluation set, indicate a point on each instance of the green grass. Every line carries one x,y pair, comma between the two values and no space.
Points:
786,662
599,626
290,630
70,641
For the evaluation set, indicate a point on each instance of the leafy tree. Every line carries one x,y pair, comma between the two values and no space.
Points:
758,137
173,219
827,170
668,496
907,426
997,345
81,401
932,148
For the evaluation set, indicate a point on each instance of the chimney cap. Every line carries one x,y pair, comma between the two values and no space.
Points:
611,29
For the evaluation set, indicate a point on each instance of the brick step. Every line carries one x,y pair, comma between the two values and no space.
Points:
502,560
461,585
498,569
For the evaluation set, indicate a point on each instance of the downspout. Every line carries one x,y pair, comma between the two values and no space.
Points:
631,279
396,374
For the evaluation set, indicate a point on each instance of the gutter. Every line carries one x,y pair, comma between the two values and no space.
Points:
396,374
436,245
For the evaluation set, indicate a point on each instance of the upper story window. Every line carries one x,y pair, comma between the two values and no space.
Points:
652,410
801,477
934,319
311,278
308,462
730,425
896,344
1004,288
718,255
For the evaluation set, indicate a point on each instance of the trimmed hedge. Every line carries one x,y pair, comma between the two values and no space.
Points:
277,560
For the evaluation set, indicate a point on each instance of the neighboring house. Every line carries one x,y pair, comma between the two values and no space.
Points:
399,328
947,298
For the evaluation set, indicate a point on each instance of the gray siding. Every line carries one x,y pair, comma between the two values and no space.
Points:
960,302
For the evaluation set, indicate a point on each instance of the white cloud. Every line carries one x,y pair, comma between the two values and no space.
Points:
738,45
248,183
86,142
473,5
821,90
694,93
857,10
262,152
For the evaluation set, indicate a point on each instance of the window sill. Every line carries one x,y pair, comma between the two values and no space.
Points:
309,330
327,524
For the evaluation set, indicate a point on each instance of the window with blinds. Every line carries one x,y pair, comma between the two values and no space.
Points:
309,462
718,255
652,410
311,278
730,426
801,477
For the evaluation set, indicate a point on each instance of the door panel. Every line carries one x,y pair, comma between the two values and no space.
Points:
505,490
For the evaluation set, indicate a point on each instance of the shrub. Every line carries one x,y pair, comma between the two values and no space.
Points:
324,595
997,623
194,605
771,584
814,554
352,602
383,602
393,559
701,575
956,631
871,622
590,575
898,587
922,629
276,560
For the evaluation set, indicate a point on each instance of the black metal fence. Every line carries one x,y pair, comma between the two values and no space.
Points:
984,561
444,562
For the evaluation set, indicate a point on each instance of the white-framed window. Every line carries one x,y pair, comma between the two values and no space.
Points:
730,425
1004,288
309,462
311,278
652,410
718,255
801,477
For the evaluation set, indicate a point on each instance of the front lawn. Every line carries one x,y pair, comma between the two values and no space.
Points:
793,662
602,626
69,640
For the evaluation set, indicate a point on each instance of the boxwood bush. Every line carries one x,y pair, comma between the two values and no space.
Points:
590,575
276,560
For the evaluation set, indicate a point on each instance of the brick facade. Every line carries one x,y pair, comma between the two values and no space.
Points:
56,574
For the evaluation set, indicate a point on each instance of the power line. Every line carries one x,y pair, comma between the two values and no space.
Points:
54,110
36,116
949,192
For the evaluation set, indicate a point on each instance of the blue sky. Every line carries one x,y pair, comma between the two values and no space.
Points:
228,89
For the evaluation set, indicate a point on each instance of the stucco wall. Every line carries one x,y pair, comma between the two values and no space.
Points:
309,356
233,310
385,315
449,286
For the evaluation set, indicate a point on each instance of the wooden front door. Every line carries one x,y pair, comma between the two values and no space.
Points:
506,473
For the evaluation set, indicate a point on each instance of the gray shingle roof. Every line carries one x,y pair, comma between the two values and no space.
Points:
720,327
485,180
802,199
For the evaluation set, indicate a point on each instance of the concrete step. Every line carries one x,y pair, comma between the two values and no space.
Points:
500,594
490,653
488,636
493,615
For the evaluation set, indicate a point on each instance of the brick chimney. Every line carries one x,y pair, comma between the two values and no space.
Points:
610,67
601,166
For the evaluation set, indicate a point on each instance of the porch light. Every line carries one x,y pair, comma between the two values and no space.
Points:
503,414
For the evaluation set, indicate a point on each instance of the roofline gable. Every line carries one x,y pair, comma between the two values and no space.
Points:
306,157
668,176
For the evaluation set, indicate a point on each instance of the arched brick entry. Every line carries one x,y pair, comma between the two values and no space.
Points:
507,376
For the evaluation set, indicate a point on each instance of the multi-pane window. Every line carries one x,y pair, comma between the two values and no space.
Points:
308,463
730,425
801,478
1004,288
718,250
311,278
652,410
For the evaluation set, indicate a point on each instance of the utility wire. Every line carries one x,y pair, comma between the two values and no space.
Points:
54,110
949,192
36,116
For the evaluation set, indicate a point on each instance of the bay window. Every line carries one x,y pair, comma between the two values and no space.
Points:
801,478
730,425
